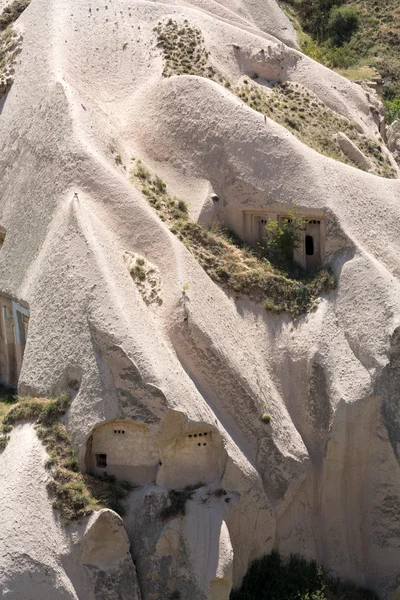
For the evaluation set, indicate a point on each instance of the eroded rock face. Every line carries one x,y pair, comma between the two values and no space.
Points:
106,558
188,554
393,138
321,479
354,153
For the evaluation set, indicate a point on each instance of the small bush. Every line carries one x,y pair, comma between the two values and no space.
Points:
177,500
343,22
285,237
139,273
266,418
141,171
182,206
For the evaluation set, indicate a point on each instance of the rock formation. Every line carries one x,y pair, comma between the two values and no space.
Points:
169,380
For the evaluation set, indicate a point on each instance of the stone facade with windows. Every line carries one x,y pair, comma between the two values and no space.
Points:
310,253
14,318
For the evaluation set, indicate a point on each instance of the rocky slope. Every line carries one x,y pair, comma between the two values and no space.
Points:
323,478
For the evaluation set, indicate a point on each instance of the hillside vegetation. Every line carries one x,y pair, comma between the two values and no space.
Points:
229,262
357,37
271,578
291,105
74,494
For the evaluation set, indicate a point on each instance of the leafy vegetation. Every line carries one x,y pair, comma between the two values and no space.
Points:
270,578
12,12
74,494
286,237
231,263
266,418
357,36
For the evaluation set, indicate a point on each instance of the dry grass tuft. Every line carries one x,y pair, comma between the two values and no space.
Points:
311,121
184,51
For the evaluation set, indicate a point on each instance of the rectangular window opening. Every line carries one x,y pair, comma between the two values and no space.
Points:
101,461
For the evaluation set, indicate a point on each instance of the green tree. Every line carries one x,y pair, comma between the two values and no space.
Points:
286,236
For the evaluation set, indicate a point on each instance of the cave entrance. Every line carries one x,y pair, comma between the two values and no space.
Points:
312,244
14,319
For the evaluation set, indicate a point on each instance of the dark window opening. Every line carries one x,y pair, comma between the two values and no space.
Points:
101,460
309,245
199,444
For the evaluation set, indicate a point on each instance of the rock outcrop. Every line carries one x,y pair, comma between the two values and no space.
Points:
393,139
322,478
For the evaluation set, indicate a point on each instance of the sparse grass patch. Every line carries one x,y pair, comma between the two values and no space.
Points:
312,122
291,105
297,579
236,266
184,51
9,44
74,494
266,418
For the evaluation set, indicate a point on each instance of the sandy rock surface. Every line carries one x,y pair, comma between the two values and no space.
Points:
323,479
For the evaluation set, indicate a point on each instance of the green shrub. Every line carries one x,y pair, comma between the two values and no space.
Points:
343,22
392,108
297,579
12,12
285,237
182,206
341,57
266,418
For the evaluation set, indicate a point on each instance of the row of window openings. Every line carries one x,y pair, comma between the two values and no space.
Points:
101,459
197,434
313,222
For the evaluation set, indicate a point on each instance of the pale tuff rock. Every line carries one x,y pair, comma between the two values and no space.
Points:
393,139
191,553
354,153
322,479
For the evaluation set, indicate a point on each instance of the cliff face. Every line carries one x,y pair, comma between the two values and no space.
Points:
177,379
